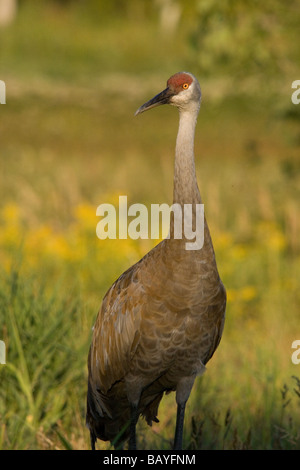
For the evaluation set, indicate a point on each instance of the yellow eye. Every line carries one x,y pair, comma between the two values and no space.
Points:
185,86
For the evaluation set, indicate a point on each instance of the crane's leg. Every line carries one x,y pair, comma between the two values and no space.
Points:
134,388
133,420
179,426
183,390
93,440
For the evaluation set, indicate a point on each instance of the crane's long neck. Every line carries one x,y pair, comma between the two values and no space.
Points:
185,182
186,189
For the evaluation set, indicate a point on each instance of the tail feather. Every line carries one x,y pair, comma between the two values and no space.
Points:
151,410
108,415
109,420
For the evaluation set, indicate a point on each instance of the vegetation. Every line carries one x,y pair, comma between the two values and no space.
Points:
74,75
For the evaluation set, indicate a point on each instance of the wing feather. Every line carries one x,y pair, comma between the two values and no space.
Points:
116,331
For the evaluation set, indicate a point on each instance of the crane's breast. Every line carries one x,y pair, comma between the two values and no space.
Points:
180,340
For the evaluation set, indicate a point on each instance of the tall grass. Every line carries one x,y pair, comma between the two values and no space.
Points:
45,362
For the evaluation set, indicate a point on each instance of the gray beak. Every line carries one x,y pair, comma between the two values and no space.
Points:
162,98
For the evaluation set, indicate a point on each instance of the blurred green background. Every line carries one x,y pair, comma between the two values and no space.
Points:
75,72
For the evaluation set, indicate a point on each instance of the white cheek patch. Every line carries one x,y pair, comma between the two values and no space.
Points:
183,97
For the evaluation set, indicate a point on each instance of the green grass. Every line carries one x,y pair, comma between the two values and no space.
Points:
69,141
43,371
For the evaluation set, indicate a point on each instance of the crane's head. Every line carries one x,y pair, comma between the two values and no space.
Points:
183,90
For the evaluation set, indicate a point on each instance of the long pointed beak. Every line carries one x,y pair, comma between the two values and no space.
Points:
162,98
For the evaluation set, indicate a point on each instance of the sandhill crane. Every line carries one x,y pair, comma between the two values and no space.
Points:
162,319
